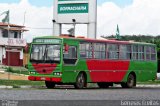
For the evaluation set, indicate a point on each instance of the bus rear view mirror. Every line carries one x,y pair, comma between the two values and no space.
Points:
66,48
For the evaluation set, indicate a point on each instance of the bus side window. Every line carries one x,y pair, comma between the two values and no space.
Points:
99,50
85,50
153,53
135,52
125,52
148,53
129,52
140,52
113,51
70,57
82,48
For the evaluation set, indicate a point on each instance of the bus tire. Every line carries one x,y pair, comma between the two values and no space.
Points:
103,85
131,81
49,84
80,81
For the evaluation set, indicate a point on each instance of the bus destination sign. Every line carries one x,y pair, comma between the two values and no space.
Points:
47,41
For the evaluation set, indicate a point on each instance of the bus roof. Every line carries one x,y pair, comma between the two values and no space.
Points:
95,40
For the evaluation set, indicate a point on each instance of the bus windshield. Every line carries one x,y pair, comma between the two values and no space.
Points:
45,53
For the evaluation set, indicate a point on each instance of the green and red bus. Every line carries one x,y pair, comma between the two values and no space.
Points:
78,61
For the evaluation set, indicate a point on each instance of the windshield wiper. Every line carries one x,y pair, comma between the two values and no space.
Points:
45,54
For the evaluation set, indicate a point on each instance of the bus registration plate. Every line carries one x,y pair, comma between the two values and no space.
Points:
43,78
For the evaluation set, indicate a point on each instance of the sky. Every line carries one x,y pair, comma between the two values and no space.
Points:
49,3
134,17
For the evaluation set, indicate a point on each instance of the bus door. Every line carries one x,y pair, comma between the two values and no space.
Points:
70,55
70,59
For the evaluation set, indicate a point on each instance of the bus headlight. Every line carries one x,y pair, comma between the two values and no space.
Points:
58,73
32,72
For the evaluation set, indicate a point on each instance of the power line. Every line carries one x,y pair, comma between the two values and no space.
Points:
42,28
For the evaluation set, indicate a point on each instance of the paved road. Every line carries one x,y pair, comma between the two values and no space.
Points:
85,94
20,95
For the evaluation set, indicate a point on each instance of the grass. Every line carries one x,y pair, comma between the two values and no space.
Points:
150,82
17,70
21,72
17,83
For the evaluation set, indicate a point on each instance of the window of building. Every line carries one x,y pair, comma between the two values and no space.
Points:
5,33
113,51
86,50
15,34
99,51
135,52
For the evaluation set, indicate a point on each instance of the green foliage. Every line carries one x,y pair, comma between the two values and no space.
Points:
18,71
150,82
9,69
17,83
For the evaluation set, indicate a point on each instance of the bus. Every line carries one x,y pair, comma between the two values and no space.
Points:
78,61
158,55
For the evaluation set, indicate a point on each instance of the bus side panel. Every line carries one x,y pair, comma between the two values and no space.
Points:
107,70
144,70
71,72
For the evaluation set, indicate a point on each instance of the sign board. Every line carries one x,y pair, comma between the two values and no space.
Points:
66,10
72,0
13,42
75,12
72,8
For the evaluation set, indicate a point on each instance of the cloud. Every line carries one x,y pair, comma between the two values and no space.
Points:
141,17
38,20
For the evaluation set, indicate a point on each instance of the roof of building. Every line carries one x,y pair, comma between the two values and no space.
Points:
11,25
16,29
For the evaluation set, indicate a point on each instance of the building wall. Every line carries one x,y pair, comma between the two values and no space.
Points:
0,33
21,54
16,48
12,52
4,52
26,59
1,55
11,33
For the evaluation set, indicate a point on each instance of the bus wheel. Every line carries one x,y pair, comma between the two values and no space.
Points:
131,82
80,81
49,84
103,85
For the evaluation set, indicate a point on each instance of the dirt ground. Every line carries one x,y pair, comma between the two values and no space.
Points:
10,76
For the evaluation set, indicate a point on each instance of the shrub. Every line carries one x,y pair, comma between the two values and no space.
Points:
9,69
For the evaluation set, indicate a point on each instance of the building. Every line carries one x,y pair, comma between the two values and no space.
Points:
11,47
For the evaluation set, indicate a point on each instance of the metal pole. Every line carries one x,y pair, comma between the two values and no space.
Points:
8,53
74,26
8,45
24,20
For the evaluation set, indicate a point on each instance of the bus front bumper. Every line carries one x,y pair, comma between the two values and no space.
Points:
37,78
